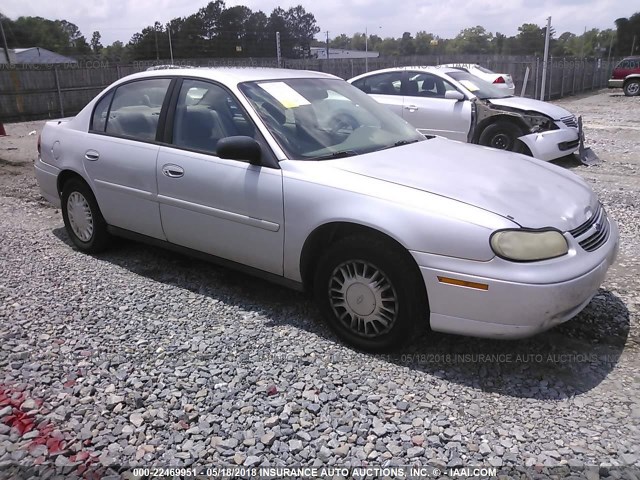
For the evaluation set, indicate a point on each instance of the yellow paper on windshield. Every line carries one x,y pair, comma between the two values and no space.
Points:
286,95
469,85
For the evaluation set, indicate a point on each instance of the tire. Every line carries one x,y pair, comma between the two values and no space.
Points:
502,135
632,88
358,275
83,220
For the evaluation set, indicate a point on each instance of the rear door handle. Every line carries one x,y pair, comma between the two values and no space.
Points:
91,155
411,108
172,171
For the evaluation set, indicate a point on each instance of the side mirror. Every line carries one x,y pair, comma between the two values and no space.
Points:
241,148
453,95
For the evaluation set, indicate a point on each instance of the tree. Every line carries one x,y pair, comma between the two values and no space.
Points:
473,40
116,52
628,30
531,38
301,27
406,44
342,41
96,46
422,42
389,47
499,43
232,30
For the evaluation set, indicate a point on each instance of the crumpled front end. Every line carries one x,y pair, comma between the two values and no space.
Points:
552,144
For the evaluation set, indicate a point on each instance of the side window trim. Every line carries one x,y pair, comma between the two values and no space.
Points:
110,94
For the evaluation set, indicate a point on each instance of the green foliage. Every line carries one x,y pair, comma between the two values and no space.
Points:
218,31
96,46
58,36
628,35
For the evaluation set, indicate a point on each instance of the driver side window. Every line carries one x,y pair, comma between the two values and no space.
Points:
205,114
389,83
427,85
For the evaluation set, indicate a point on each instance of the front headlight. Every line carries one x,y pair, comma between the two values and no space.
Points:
529,245
539,122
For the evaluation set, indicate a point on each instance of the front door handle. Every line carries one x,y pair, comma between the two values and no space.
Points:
91,155
411,108
172,171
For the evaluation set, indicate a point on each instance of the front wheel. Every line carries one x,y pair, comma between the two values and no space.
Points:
82,218
502,135
632,88
370,293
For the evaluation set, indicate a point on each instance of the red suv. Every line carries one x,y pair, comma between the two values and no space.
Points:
626,75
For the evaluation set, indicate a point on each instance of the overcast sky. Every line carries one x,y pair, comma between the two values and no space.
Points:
120,19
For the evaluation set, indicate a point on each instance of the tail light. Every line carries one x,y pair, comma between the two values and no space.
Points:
499,80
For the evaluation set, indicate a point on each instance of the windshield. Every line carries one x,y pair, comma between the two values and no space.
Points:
317,118
481,89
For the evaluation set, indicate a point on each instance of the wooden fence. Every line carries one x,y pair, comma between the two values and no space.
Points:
52,91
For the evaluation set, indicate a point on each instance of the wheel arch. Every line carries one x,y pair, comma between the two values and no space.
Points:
327,234
65,175
483,124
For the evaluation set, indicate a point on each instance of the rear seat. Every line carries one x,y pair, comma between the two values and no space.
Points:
140,122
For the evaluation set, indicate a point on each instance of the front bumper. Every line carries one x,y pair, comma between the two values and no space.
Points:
47,177
615,83
552,144
509,308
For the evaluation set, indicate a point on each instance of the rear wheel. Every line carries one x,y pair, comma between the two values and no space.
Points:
370,293
632,88
82,218
502,135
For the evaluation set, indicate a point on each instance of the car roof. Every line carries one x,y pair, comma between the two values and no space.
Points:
420,68
232,75
459,65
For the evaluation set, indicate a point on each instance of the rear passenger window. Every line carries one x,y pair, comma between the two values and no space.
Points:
205,114
99,119
135,109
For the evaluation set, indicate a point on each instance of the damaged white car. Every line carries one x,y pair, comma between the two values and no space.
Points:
455,104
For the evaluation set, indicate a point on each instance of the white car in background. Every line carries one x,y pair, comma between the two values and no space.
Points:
454,104
500,80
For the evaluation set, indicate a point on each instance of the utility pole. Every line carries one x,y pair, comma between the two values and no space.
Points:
545,60
584,38
170,47
327,44
278,54
366,50
4,42
633,44
155,31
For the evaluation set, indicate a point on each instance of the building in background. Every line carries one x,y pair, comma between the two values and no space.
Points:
39,55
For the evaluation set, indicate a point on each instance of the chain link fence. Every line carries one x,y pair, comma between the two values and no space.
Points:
51,91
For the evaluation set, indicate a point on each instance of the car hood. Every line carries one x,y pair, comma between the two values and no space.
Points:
530,192
529,104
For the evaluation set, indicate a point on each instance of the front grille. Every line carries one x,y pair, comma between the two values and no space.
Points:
593,233
570,121
564,146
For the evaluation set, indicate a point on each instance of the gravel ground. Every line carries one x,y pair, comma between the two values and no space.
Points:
140,357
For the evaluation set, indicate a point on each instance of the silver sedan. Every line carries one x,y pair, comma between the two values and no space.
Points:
305,180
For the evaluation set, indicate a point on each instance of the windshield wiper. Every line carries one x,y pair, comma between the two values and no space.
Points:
400,143
340,154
